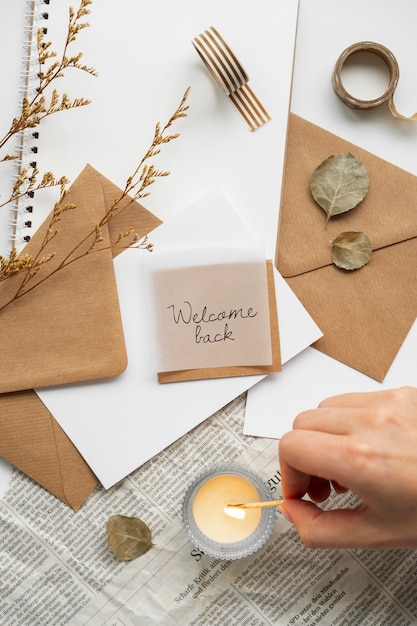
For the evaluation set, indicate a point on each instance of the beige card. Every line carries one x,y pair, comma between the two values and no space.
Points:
212,311
212,316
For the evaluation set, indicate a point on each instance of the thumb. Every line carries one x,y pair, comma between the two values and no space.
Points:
341,528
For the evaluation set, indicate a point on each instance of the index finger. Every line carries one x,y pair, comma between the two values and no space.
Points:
363,399
339,420
306,454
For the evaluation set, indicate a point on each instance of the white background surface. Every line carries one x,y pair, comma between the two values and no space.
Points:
141,82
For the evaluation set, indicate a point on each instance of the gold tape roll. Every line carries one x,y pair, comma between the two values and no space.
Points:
230,75
388,95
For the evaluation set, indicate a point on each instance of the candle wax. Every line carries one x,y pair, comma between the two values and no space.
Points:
209,503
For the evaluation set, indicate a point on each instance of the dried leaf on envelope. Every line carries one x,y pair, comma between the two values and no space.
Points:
351,250
339,184
128,537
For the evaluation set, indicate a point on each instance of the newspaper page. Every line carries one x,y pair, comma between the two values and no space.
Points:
56,567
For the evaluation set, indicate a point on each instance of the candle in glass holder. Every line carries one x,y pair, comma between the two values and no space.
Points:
209,508
218,532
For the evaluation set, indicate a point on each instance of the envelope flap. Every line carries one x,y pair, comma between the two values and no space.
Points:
133,214
387,215
33,441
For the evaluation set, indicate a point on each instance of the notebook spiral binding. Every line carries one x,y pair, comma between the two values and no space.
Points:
26,149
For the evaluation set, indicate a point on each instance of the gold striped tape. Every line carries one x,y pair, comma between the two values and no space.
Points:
388,95
230,75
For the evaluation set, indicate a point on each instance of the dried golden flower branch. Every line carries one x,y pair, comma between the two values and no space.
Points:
136,185
31,265
145,175
135,188
42,105
36,109
14,264
32,113
28,182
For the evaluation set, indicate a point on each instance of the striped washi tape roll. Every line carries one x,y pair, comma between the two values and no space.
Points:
228,72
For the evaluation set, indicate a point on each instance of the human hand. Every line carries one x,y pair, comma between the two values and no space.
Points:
362,442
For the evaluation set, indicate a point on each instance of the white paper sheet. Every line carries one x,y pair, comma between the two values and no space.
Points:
325,29
119,424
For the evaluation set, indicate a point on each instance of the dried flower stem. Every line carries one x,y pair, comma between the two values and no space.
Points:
136,187
145,175
34,110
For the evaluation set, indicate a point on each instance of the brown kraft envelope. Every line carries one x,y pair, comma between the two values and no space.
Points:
30,437
364,314
68,328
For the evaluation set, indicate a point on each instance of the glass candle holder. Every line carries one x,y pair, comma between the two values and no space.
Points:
214,531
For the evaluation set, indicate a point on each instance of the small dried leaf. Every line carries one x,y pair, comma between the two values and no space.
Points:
351,250
339,184
128,537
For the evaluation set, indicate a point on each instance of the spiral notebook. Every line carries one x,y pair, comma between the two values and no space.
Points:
21,21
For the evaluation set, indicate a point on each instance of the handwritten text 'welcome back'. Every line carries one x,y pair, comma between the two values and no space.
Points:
185,314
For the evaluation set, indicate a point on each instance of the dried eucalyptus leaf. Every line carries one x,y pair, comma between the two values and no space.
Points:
128,537
339,184
351,250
